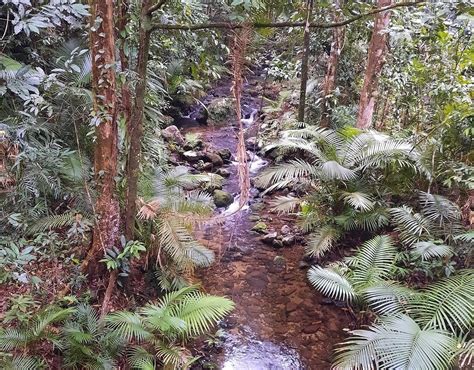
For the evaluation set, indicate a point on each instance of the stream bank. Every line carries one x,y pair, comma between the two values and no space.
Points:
280,321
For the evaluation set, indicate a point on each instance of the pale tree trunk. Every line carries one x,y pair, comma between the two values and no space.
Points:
329,82
106,208
376,59
305,60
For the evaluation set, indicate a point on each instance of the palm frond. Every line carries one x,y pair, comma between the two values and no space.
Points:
439,210
358,200
331,283
321,241
388,298
281,175
412,226
373,262
448,304
129,325
332,170
140,359
396,343
285,203
429,250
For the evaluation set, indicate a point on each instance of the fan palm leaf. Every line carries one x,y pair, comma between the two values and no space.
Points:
332,283
396,343
321,241
448,304
429,250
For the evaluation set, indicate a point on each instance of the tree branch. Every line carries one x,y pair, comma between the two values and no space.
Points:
233,26
155,7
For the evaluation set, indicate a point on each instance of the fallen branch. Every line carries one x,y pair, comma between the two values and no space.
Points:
233,26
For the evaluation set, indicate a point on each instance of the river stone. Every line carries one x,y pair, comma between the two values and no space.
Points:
254,218
277,243
251,143
203,166
256,207
269,238
172,133
192,156
223,172
285,230
214,158
222,198
225,154
260,227
288,240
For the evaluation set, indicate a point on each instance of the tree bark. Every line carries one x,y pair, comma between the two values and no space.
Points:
331,71
376,59
135,129
304,61
102,45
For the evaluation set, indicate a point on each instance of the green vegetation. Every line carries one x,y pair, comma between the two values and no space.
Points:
120,155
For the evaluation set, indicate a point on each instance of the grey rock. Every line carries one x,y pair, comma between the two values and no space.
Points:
288,240
223,172
172,133
192,156
214,158
285,230
222,198
269,238
225,154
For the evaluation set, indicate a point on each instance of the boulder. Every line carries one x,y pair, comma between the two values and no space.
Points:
254,218
220,108
260,227
193,156
222,198
172,133
251,143
223,172
257,207
214,158
225,154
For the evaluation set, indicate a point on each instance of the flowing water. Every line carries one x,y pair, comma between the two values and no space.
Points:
279,322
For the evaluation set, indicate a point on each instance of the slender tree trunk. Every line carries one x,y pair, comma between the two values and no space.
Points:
135,130
376,58
102,44
331,71
304,61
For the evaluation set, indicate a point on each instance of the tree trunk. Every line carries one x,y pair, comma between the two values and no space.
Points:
106,208
376,58
304,61
135,130
331,71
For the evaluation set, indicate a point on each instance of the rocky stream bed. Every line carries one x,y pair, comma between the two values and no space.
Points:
279,322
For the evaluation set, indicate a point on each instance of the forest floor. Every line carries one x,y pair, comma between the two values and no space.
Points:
280,321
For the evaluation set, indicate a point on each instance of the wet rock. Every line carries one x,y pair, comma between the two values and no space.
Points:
269,238
193,156
288,240
222,198
257,207
213,182
223,172
303,265
220,108
285,230
251,143
260,227
214,158
225,154
172,133
254,218
277,243
203,166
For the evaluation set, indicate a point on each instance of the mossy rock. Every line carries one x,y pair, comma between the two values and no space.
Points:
223,198
220,109
260,227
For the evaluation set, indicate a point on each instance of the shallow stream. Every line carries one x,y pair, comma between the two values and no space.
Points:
279,322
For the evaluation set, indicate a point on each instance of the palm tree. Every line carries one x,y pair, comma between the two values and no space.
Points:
349,167
162,327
